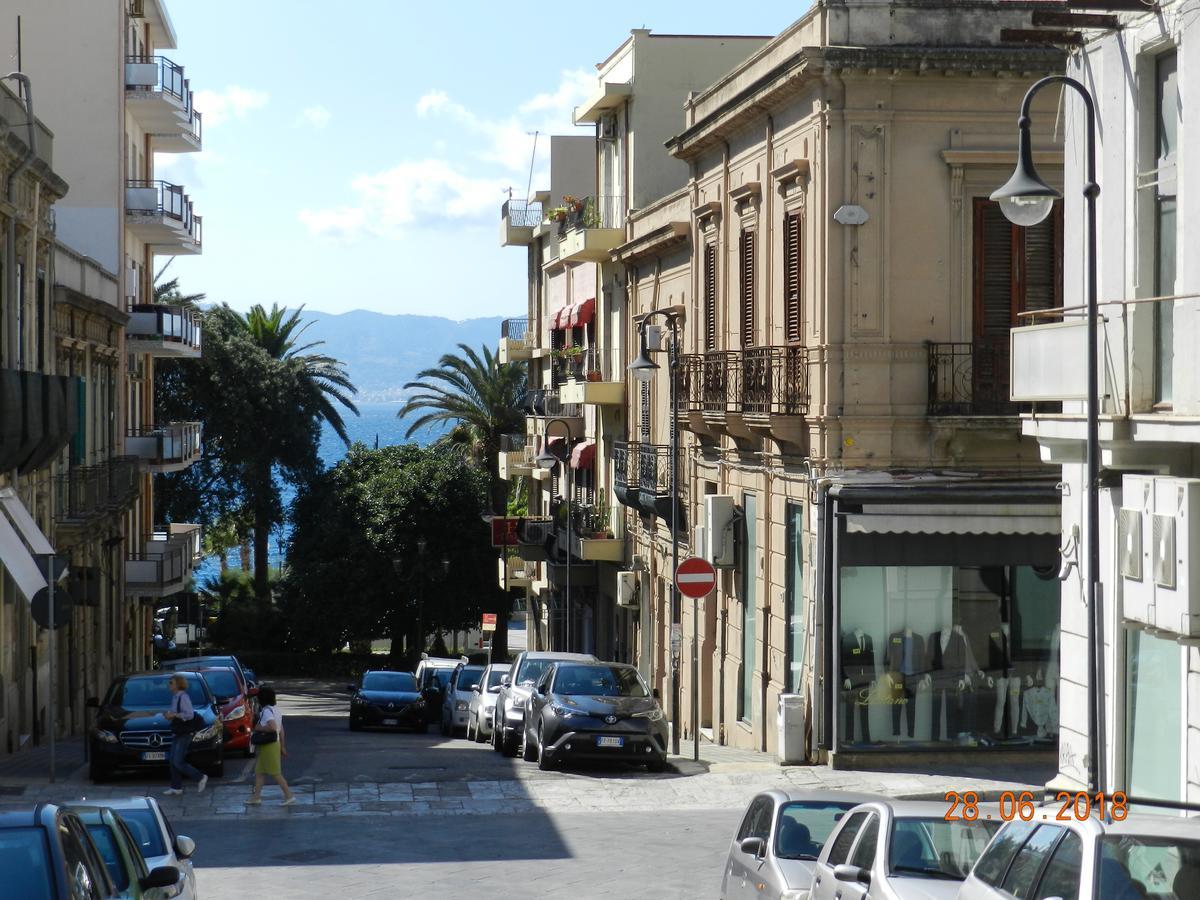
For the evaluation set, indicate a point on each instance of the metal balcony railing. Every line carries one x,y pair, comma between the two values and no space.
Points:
517,332
970,378
156,321
545,402
163,199
157,568
513,443
187,535
642,478
756,381
593,212
518,569
88,493
522,213
156,74
177,442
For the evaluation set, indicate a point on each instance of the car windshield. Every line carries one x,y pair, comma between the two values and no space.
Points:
469,677
144,826
200,662
154,692
1136,866
389,681
599,681
438,677
496,676
804,826
935,848
24,863
222,682
106,843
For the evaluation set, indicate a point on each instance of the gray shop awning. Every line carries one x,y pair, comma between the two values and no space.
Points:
20,539
982,519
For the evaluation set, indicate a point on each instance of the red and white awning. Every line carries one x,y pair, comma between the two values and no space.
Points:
583,455
574,315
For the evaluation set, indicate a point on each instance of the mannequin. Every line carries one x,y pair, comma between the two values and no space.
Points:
1003,677
858,679
1040,706
905,662
952,670
1052,665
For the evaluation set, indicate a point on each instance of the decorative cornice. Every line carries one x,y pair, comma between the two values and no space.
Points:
1007,158
792,170
707,210
653,243
750,192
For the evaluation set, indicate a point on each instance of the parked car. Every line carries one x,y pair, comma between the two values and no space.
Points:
192,663
457,702
123,858
594,711
156,838
515,688
433,677
1093,859
899,850
238,706
483,702
388,699
775,849
46,853
132,732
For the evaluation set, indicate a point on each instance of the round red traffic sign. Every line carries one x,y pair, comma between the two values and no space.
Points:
695,577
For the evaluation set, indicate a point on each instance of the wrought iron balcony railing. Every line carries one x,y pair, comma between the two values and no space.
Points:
970,378
88,493
593,212
642,479
756,381
522,213
545,402
581,364
515,330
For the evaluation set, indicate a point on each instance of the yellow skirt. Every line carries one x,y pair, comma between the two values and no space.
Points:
269,761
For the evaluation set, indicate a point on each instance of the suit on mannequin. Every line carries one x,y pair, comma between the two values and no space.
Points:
905,658
1003,677
951,665
858,676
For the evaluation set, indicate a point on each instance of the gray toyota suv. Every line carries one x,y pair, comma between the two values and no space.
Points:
508,735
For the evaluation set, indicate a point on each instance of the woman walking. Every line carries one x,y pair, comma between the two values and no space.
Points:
183,721
268,739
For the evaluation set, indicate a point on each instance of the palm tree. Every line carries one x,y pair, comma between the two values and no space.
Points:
320,381
169,292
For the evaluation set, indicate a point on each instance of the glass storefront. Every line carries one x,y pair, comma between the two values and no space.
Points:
1154,703
941,655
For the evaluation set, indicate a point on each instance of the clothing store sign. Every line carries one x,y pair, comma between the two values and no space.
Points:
695,578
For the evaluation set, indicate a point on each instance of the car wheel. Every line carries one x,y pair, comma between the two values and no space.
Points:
98,773
355,725
528,750
218,770
470,733
545,760
508,742
479,735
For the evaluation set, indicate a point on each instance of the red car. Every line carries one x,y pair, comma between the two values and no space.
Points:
237,703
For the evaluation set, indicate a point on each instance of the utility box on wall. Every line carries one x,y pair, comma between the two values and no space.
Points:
1157,513
720,522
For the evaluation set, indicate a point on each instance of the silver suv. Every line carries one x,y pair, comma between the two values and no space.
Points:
508,735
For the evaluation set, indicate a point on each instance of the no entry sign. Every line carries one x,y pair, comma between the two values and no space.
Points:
695,578
488,623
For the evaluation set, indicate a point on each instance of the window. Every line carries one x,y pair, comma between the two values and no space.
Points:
995,861
1136,866
795,595
792,283
757,822
749,592
25,863
1025,868
1154,720
746,268
1061,878
864,853
804,827
1166,141
840,851
710,296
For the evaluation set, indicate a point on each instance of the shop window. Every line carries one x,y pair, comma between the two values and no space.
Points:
1154,719
749,592
795,596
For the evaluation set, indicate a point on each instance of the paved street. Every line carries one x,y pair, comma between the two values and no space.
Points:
385,814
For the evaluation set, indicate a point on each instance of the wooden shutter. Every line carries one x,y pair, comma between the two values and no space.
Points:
746,252
710,296
1016,269
791,278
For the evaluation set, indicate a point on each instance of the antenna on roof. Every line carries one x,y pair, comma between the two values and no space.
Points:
532,158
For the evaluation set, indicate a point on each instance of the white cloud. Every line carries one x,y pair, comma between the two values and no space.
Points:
232,103
316,116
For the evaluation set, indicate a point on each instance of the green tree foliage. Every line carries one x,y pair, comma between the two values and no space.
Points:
242,620
355,571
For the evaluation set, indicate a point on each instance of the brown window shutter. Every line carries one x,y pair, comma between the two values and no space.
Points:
996,274
710,296
1042,275
791,278
747,273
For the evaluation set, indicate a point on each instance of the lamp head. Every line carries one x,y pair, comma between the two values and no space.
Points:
1025,199
546,460
643,367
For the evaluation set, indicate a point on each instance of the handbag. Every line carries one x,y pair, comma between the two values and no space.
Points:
258,738
187,726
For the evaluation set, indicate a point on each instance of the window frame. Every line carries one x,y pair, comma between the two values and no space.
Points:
854,820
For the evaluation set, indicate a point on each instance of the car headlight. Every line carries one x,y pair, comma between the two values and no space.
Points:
461,705
236,713
798,894
654,715
357,701
205,734
565,712
107,736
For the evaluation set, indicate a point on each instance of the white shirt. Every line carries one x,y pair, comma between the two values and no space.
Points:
270,714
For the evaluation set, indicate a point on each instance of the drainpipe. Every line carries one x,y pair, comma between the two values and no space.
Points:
10,237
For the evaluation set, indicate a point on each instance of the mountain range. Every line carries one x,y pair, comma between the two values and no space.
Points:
382,352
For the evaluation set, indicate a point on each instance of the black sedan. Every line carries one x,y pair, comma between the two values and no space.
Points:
595,711
387,699
131,730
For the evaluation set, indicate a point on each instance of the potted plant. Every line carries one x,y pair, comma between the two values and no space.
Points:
594,375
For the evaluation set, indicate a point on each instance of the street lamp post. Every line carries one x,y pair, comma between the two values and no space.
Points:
546,461
643,369
1026,200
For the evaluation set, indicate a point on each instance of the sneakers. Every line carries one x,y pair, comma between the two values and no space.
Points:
254,801
173,792
289,801
203,784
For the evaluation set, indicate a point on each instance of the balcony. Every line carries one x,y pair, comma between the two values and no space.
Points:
163,331
587,378
159,98
160,214
183,534
547,403
591,536
748,393
517,340
516,572
518,219
167,448
535,534
86,495
516,456
590,229
642,481
970,378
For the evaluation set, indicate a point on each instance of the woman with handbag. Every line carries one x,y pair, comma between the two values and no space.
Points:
268,740
184,724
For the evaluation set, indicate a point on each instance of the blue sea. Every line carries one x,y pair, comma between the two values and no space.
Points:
376,426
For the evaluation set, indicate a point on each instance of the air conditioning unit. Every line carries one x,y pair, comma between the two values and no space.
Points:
608,128
535,532
700,541
1133,547
1174,545
720,522
629,589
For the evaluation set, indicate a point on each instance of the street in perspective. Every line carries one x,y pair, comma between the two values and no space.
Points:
790,499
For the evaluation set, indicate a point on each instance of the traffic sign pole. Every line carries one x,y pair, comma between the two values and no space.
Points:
695,578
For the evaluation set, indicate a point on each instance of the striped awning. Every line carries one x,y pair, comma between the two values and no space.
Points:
574,315
889,518
583,456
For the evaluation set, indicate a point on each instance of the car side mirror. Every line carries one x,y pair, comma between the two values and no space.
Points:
475,689
852,874
93,702
506,681
184,846
494,689
753,846
528,682
163,876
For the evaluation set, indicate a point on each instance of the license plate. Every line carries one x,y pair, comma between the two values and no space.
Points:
391,721
154,755
610,742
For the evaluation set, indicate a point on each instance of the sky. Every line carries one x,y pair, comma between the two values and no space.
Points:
356,156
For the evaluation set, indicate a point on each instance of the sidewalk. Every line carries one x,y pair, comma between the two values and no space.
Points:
31,765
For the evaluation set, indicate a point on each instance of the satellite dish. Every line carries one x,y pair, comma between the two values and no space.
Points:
40,607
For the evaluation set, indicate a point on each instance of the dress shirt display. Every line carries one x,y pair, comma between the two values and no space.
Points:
905,664
1040,707
858,677
1002,678
951,666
